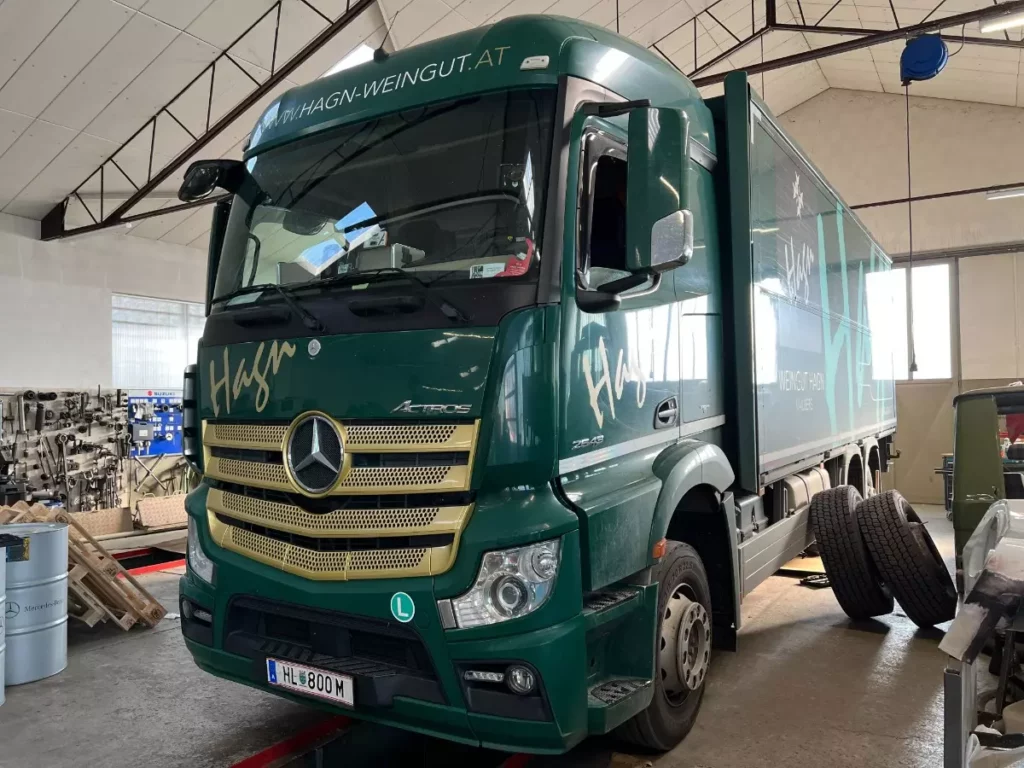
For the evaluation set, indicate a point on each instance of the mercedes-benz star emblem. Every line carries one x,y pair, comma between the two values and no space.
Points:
315,454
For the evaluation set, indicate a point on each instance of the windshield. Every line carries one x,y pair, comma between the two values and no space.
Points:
452,191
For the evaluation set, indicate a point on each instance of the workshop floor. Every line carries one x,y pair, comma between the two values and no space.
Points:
807,687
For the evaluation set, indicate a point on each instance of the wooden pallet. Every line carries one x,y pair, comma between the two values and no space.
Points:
21,512
118,591
157,512
89,609
99,588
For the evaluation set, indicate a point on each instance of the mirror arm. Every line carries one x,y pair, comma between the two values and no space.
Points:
655,285
608,296
604,109
624,283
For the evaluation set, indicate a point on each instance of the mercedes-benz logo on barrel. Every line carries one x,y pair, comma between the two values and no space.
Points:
315,454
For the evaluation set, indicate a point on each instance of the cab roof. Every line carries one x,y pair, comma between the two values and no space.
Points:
517,52
1013,392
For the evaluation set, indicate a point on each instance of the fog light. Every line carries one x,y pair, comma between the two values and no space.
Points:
482,676
520,680
202,615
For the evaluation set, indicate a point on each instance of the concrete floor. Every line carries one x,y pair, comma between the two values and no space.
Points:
807,687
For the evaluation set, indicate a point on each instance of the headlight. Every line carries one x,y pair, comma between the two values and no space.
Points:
198,562
511,583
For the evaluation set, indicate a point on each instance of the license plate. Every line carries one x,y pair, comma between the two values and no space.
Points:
318,683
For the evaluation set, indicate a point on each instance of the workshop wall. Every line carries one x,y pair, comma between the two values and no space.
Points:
57,297
992,317
858,140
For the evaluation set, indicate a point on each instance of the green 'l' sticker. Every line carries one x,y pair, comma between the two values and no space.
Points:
402,607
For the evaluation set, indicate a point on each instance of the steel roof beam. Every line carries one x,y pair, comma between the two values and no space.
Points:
52,226
867,40
861,32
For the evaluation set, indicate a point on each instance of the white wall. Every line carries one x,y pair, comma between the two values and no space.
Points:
858,140
55,299
992,316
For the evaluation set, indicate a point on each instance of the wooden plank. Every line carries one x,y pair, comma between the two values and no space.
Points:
105,521
96,610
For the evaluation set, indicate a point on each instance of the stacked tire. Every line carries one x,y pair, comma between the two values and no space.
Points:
878,549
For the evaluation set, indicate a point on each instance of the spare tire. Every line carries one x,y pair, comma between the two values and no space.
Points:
907,558
855,581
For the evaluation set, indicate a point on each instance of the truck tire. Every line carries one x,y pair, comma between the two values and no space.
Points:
906,557
682,652
855,580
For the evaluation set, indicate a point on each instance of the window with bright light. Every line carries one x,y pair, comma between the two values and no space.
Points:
361,54
931,324
153,340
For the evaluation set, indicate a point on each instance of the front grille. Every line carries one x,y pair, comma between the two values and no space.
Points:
398,508
343,544
287,516
266,436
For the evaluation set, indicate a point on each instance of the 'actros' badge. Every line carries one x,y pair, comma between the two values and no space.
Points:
410,407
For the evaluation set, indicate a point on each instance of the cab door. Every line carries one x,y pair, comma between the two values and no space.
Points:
621,368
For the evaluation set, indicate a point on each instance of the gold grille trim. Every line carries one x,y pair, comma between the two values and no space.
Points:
332,566
341,522
269,476
358,480
259,437
408,479
358,438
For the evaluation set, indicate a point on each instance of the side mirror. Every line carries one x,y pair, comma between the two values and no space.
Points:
204,176
659,225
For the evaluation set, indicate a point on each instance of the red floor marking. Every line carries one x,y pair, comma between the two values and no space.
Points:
517,761
156,567
295,744
133,553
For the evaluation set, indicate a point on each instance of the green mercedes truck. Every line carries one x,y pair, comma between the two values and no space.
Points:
521,364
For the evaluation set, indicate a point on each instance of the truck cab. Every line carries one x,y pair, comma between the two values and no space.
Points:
522,362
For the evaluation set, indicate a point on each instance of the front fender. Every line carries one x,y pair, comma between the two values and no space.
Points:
681,468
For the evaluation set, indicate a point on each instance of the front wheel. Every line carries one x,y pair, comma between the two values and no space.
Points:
682,652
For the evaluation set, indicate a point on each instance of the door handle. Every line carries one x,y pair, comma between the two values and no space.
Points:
666,414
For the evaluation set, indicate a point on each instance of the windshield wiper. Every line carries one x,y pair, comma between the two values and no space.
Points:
311,321
448,309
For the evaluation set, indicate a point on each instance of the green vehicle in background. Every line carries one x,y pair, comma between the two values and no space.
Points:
985,469
522,363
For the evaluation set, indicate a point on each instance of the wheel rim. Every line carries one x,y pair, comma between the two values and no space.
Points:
685,645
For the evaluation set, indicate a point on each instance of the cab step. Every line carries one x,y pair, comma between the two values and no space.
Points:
612,702
608,605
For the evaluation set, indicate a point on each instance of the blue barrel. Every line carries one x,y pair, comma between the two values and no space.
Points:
37,603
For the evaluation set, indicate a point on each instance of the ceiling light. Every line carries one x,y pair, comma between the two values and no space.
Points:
1002,194
361,54
999,23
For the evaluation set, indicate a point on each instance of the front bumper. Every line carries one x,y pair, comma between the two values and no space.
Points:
406,675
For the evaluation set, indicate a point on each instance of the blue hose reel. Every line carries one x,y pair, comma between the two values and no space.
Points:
923,58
